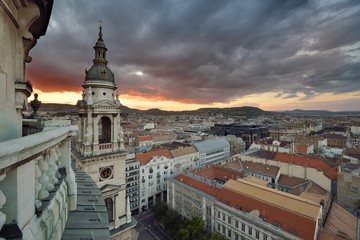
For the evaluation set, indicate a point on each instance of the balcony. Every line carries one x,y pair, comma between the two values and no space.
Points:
104,146
37,185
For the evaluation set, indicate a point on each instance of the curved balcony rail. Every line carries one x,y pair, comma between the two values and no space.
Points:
37,185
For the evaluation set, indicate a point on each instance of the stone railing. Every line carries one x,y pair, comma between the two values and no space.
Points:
37,185
103,146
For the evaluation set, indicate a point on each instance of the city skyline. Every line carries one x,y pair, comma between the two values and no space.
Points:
174,55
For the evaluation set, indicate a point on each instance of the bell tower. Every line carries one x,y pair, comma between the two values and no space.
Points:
99,110
100,146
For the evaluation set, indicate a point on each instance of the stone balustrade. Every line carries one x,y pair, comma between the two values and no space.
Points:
37,185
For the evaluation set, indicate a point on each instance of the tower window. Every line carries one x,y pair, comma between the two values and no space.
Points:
110,208
104,93
104,129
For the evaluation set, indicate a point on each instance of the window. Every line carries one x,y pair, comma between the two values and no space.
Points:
265,237
250,231
218,227
236,223
110,208
229,233
229,220
354,189
236,236
224,216
257,234
219,215
243,227
224,230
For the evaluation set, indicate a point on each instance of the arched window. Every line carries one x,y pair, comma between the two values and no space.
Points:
104,126
110,208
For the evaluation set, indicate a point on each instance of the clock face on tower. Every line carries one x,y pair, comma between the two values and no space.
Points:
106,173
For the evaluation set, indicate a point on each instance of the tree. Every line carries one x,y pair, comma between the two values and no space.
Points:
159,209
216,236
196,228
182,234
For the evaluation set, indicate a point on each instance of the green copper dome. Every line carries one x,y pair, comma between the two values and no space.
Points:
100,72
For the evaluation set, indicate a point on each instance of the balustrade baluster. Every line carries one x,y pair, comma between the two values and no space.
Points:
55,157
44,179
51,172
38,203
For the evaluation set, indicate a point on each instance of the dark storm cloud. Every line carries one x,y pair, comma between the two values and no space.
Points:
205,51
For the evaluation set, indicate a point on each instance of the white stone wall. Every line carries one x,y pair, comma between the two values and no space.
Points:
186,162
355,129
149,185
12,67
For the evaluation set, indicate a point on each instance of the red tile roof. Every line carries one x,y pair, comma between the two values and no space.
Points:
301,222
144,158
214,171
319,164
199,185
301,148
145,138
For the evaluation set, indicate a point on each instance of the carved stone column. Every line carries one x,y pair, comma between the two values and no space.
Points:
38,203
55,163
43,166
51,172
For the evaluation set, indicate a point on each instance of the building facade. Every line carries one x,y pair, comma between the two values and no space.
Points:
185,159
212,151
348,185
156,167
133,182
235,209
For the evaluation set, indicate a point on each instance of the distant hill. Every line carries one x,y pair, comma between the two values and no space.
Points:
63,109
59,109
245,110
68,109
320,112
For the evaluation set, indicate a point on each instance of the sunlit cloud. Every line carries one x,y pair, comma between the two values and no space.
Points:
200,53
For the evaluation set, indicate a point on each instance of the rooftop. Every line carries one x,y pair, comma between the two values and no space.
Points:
262,154
217,172
197,184
319,164
144,158
183,151
281,200
210,144
339,224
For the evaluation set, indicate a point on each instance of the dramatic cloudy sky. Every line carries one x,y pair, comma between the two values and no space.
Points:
174,54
